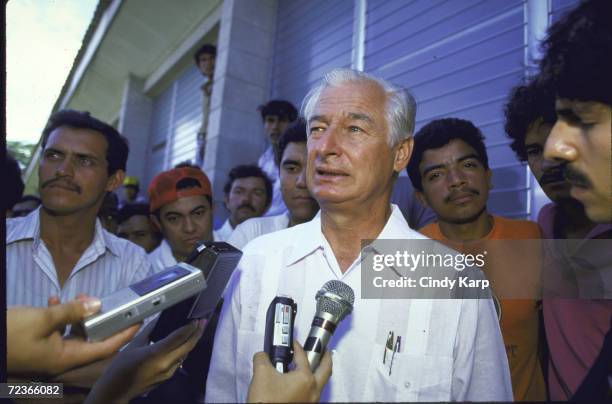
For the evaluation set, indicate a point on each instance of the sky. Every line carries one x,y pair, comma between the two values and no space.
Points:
42,40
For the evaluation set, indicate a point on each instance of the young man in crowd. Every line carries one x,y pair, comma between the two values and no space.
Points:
61,249
301,206
574,77
181,208
136,226
576,65
356,147
449,169
575,328
205,58
276,116
248,193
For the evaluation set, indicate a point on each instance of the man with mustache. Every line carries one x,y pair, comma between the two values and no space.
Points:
575,327
577,65
291,157
248,193
61,250
450,172
359,138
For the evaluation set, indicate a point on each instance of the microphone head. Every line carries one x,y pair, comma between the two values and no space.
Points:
335,298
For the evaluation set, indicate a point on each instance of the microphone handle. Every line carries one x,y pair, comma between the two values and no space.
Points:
321,330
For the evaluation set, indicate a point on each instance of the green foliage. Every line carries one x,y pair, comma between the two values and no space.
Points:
21,151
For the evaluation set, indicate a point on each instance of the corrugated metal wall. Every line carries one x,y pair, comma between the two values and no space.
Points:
460,59
177,115
312,37
559,7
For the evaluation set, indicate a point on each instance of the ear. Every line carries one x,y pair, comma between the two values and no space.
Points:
226,202
420,196
115,180
156,223
402,154
489,175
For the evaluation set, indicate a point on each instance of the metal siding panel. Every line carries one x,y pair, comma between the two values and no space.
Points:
187,116
304,52
460,59
559,8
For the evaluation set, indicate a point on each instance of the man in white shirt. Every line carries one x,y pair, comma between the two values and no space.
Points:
276,116
61,249
248,193
360,138
181,208
302,207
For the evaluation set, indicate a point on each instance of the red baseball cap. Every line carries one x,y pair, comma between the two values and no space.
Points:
162,189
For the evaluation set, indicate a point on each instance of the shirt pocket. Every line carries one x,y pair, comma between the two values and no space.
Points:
249,342
413,377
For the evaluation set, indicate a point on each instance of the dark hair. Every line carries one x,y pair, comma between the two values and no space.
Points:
244,171
439,133
204,49
132,209
187,163
527,103
280,108
117,150
295,133
578,53
14,183
33,198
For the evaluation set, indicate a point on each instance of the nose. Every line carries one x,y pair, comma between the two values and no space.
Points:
326,143
559,146
455,178
300,181
189,226
65,168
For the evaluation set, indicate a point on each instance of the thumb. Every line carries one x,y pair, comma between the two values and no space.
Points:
299,357
324,371
261,360
61,315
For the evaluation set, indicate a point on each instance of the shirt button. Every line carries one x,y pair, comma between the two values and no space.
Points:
407,385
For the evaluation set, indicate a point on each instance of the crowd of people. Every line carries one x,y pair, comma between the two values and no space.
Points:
327,181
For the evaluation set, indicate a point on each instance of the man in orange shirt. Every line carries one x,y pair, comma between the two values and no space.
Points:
450,172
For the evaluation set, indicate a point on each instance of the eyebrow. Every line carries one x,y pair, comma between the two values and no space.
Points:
360,117
567,113
290,161
459,160
320,118
180,214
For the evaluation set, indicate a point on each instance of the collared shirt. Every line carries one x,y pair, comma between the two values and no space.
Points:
575,328
224,232
162,258
107,265
452,349
268,165
257,226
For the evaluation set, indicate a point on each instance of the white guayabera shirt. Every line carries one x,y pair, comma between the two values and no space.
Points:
452,350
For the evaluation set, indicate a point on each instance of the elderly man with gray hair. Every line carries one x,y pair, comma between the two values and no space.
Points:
359,138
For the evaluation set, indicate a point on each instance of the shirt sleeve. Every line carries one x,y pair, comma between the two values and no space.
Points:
221,385
480,371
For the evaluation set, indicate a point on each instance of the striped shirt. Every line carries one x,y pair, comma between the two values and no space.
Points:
107,265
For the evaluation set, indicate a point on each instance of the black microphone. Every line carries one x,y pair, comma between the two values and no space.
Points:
334,302
278,341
